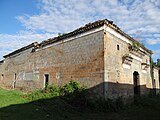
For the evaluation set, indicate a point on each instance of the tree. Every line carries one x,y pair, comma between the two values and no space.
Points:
158,62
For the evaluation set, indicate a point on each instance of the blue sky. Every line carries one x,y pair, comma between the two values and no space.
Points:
9,9
25,21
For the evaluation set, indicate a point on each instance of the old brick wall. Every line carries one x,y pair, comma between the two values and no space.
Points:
78,59
16,68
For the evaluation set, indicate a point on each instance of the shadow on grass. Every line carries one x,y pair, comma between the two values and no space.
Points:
57,108
49,109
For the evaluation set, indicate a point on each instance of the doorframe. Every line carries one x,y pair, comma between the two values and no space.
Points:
136,87
44,81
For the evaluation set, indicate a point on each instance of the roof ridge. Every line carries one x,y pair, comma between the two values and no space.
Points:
86,27
33,44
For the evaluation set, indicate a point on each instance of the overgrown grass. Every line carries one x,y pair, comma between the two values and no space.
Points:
77,96
71,102
51,91
8,97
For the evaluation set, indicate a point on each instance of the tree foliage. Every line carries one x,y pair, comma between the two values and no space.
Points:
158,62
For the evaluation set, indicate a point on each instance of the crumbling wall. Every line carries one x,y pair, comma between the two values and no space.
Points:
120,64
18,71
156,80
79,59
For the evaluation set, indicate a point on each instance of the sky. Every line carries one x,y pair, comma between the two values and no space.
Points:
25,21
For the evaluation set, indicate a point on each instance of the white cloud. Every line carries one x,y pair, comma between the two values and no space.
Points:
156,54
10,43
139,18
153,41
66,15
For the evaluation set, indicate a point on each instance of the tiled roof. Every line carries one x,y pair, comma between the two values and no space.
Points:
1,61
21,49
88,27
85,28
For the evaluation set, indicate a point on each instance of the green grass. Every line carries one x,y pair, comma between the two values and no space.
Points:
9,97
14,106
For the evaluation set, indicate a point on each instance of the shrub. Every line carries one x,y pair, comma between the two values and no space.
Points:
77,99
70,87
77,96
50,91
54,90
38,94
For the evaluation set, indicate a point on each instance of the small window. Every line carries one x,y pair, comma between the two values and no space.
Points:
117,47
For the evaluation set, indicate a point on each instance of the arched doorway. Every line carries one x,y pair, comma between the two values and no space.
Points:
136,83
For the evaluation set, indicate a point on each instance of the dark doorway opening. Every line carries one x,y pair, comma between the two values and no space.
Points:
46,80
136,83
15,76
154,86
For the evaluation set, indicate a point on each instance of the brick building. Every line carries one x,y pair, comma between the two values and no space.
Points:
99,55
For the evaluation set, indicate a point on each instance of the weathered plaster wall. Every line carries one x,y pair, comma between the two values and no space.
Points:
119,76
156,78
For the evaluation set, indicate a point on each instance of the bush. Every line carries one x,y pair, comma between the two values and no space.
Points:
54,91
38,94
77,99
77,96
50,91
70,87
